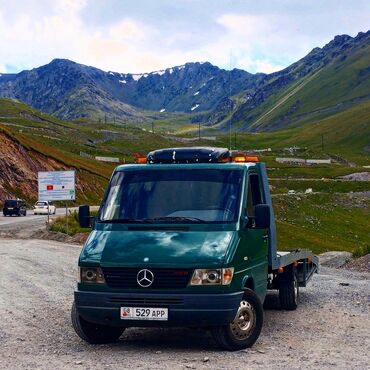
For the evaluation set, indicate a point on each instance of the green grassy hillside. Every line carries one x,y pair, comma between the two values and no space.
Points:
334,87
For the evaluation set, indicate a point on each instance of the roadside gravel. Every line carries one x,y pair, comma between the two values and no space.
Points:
330,329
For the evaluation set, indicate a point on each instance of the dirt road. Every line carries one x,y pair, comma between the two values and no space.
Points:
330,329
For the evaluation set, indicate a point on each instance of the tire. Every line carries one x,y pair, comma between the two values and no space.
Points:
241,333
94,333
289,292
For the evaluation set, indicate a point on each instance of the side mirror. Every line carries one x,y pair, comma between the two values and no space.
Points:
84,216
262,216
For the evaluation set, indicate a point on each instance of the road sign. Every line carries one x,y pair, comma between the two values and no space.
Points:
57,185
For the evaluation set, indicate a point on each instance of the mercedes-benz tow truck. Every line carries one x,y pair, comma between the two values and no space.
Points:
187,238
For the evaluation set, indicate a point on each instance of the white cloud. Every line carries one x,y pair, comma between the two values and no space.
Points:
266,66
257,40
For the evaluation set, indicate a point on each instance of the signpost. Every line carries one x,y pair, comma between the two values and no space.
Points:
57,185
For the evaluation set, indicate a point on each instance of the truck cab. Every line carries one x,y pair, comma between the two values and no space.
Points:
186,239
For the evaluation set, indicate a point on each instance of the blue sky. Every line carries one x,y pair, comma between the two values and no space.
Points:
147,35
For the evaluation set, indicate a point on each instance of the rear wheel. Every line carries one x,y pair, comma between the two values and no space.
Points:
289,292
245,329
94,333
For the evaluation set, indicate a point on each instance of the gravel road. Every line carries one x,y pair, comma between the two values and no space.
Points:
330,328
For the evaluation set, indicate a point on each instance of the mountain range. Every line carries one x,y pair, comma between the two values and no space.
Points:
326,80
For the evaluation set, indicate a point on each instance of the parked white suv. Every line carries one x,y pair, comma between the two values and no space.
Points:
42,207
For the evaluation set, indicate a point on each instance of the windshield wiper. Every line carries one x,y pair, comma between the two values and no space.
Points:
125,221
177,219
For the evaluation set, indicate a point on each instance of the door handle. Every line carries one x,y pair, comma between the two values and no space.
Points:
265,238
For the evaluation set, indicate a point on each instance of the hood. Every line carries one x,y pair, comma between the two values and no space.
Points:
157,248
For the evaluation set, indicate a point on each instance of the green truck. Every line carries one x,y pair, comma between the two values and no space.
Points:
185,239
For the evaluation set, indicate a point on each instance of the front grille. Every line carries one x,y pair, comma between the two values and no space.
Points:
122,278
145,301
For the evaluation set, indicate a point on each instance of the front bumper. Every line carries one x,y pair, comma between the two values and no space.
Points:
183,309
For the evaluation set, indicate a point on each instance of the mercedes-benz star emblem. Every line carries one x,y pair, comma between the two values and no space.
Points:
145,278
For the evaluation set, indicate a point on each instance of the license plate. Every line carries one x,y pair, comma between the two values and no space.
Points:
144,313
10,208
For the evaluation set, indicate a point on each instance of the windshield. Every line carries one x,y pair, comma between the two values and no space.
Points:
173,196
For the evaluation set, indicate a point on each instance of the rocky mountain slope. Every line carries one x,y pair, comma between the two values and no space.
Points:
70,90
66,90
19,165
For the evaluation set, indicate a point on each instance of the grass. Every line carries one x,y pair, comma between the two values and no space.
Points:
328,186
59,224
323,222
361,251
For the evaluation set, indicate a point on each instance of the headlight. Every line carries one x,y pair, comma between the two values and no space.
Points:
91,275
212,276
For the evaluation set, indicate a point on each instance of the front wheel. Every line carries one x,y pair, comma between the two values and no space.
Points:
246,327
94,333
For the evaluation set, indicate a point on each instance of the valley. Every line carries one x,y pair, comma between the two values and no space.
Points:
320,106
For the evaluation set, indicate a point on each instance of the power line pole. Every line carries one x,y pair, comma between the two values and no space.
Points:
231,103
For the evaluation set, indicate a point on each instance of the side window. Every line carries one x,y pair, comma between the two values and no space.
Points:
254,194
